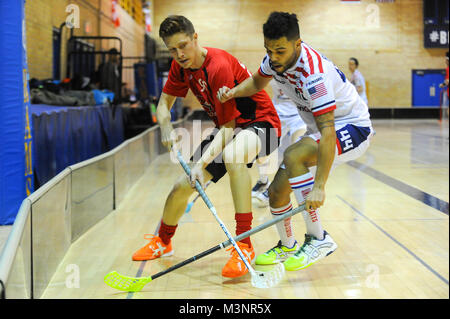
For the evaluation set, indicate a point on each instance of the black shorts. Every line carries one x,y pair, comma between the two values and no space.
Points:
269,142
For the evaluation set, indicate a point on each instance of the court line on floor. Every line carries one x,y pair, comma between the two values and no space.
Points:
138,274
406,189
183,220
395,240
445,138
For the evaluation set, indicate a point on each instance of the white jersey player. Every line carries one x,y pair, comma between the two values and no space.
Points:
338,130
317,86
292,128
357,79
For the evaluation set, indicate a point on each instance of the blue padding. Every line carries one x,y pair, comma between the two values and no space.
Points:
12,115
64,136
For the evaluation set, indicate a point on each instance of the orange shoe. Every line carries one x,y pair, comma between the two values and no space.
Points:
155,249
235,267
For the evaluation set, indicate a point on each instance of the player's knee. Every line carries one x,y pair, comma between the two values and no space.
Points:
295,155
291,156
230,156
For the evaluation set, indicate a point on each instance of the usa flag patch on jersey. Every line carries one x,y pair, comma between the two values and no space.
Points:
317,91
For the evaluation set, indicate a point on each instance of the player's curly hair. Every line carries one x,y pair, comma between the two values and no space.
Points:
281,24
175,24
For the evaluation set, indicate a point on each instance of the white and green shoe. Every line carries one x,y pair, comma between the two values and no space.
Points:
311,251
277,254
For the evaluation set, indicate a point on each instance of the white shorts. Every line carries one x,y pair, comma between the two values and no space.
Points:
290,124
352,142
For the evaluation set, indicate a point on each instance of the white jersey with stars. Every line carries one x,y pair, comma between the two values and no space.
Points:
317,86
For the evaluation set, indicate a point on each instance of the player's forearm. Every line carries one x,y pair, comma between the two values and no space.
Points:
247,88
163,110
163,116
325,158
217,145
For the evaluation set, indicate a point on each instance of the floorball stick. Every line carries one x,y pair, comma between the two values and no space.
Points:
134,284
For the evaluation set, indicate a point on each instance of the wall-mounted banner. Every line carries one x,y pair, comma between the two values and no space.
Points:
114,13
435,36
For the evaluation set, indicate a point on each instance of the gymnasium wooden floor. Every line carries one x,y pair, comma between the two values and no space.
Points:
388,212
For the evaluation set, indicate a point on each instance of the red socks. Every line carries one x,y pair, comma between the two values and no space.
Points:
166,232
243,224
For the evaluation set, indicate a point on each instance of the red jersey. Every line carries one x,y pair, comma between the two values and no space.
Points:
222,69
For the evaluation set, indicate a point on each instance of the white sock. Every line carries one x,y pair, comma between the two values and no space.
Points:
301,186
284,227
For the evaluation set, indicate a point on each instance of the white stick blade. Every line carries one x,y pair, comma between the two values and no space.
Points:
268,279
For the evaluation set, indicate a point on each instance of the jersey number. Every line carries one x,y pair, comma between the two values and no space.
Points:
346,139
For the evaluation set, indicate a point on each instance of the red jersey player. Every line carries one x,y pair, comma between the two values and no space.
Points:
204,70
